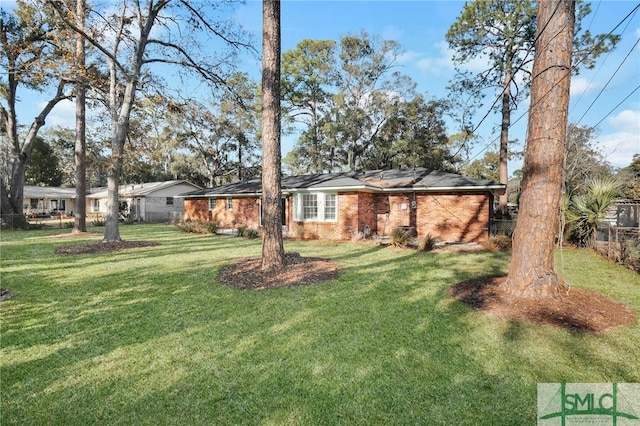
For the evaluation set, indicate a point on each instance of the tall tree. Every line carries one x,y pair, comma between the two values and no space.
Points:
368,92
344,96
583,161
44,165
136,36
80,147
239,126
503,33
414,135
30,60
484,168
630,176
308,74
531,271
272,245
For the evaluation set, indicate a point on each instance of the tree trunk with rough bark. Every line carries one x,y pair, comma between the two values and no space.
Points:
272,245
504,138
531,271
79,154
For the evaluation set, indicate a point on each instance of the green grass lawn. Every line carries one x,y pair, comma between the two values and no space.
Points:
147,336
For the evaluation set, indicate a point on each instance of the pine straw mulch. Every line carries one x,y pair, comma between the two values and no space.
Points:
581,311
246,273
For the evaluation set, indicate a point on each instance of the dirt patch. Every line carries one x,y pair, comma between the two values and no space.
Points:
246,273
580,310
103,247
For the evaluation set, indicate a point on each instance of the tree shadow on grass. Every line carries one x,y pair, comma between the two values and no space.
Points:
579,310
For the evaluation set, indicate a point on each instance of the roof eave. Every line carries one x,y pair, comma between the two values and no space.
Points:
497,189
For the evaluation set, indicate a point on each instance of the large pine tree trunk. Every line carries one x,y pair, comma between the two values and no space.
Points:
531,271
272,246
504,138
80,221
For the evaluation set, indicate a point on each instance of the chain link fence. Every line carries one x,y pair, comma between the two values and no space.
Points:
502,227
13,222
620,244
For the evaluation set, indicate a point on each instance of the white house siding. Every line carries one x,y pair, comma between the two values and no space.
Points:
147,202
155,209
45,200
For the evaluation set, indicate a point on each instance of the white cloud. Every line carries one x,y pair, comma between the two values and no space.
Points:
580,86
442,64
623,143
408,57
439,65
63,115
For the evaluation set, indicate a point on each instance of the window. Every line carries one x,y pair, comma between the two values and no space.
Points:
169,201
309,206
229,203
212,203
330,204
96,205
319,207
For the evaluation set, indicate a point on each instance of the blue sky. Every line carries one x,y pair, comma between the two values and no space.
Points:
420,27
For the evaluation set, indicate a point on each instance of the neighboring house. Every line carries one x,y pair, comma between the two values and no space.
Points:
44,201
623,214
340,206
145,202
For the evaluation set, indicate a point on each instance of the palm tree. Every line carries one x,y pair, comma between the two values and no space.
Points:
586,211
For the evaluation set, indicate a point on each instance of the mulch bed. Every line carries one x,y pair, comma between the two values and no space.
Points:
247,275
580,310
103,247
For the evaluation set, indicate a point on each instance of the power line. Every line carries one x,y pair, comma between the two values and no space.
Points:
527,53
616,107
633,11
609,81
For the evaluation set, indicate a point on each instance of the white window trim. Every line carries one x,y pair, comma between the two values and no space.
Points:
321,200
212,204
228,202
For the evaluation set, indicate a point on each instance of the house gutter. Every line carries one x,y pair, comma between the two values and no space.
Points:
494,189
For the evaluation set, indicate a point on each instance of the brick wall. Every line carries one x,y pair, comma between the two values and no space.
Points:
196,209
454,217
244,212
462,217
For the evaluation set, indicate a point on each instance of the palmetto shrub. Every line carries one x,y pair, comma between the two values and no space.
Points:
586,211
400,237
427,243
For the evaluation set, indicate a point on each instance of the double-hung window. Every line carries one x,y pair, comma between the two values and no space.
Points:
309,206
330,207
318,207
212,204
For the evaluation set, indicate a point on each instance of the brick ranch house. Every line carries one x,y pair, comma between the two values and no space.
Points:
338,206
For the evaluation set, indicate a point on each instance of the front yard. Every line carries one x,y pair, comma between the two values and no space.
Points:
148,336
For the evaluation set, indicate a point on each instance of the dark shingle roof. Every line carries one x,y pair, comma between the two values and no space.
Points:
418,179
